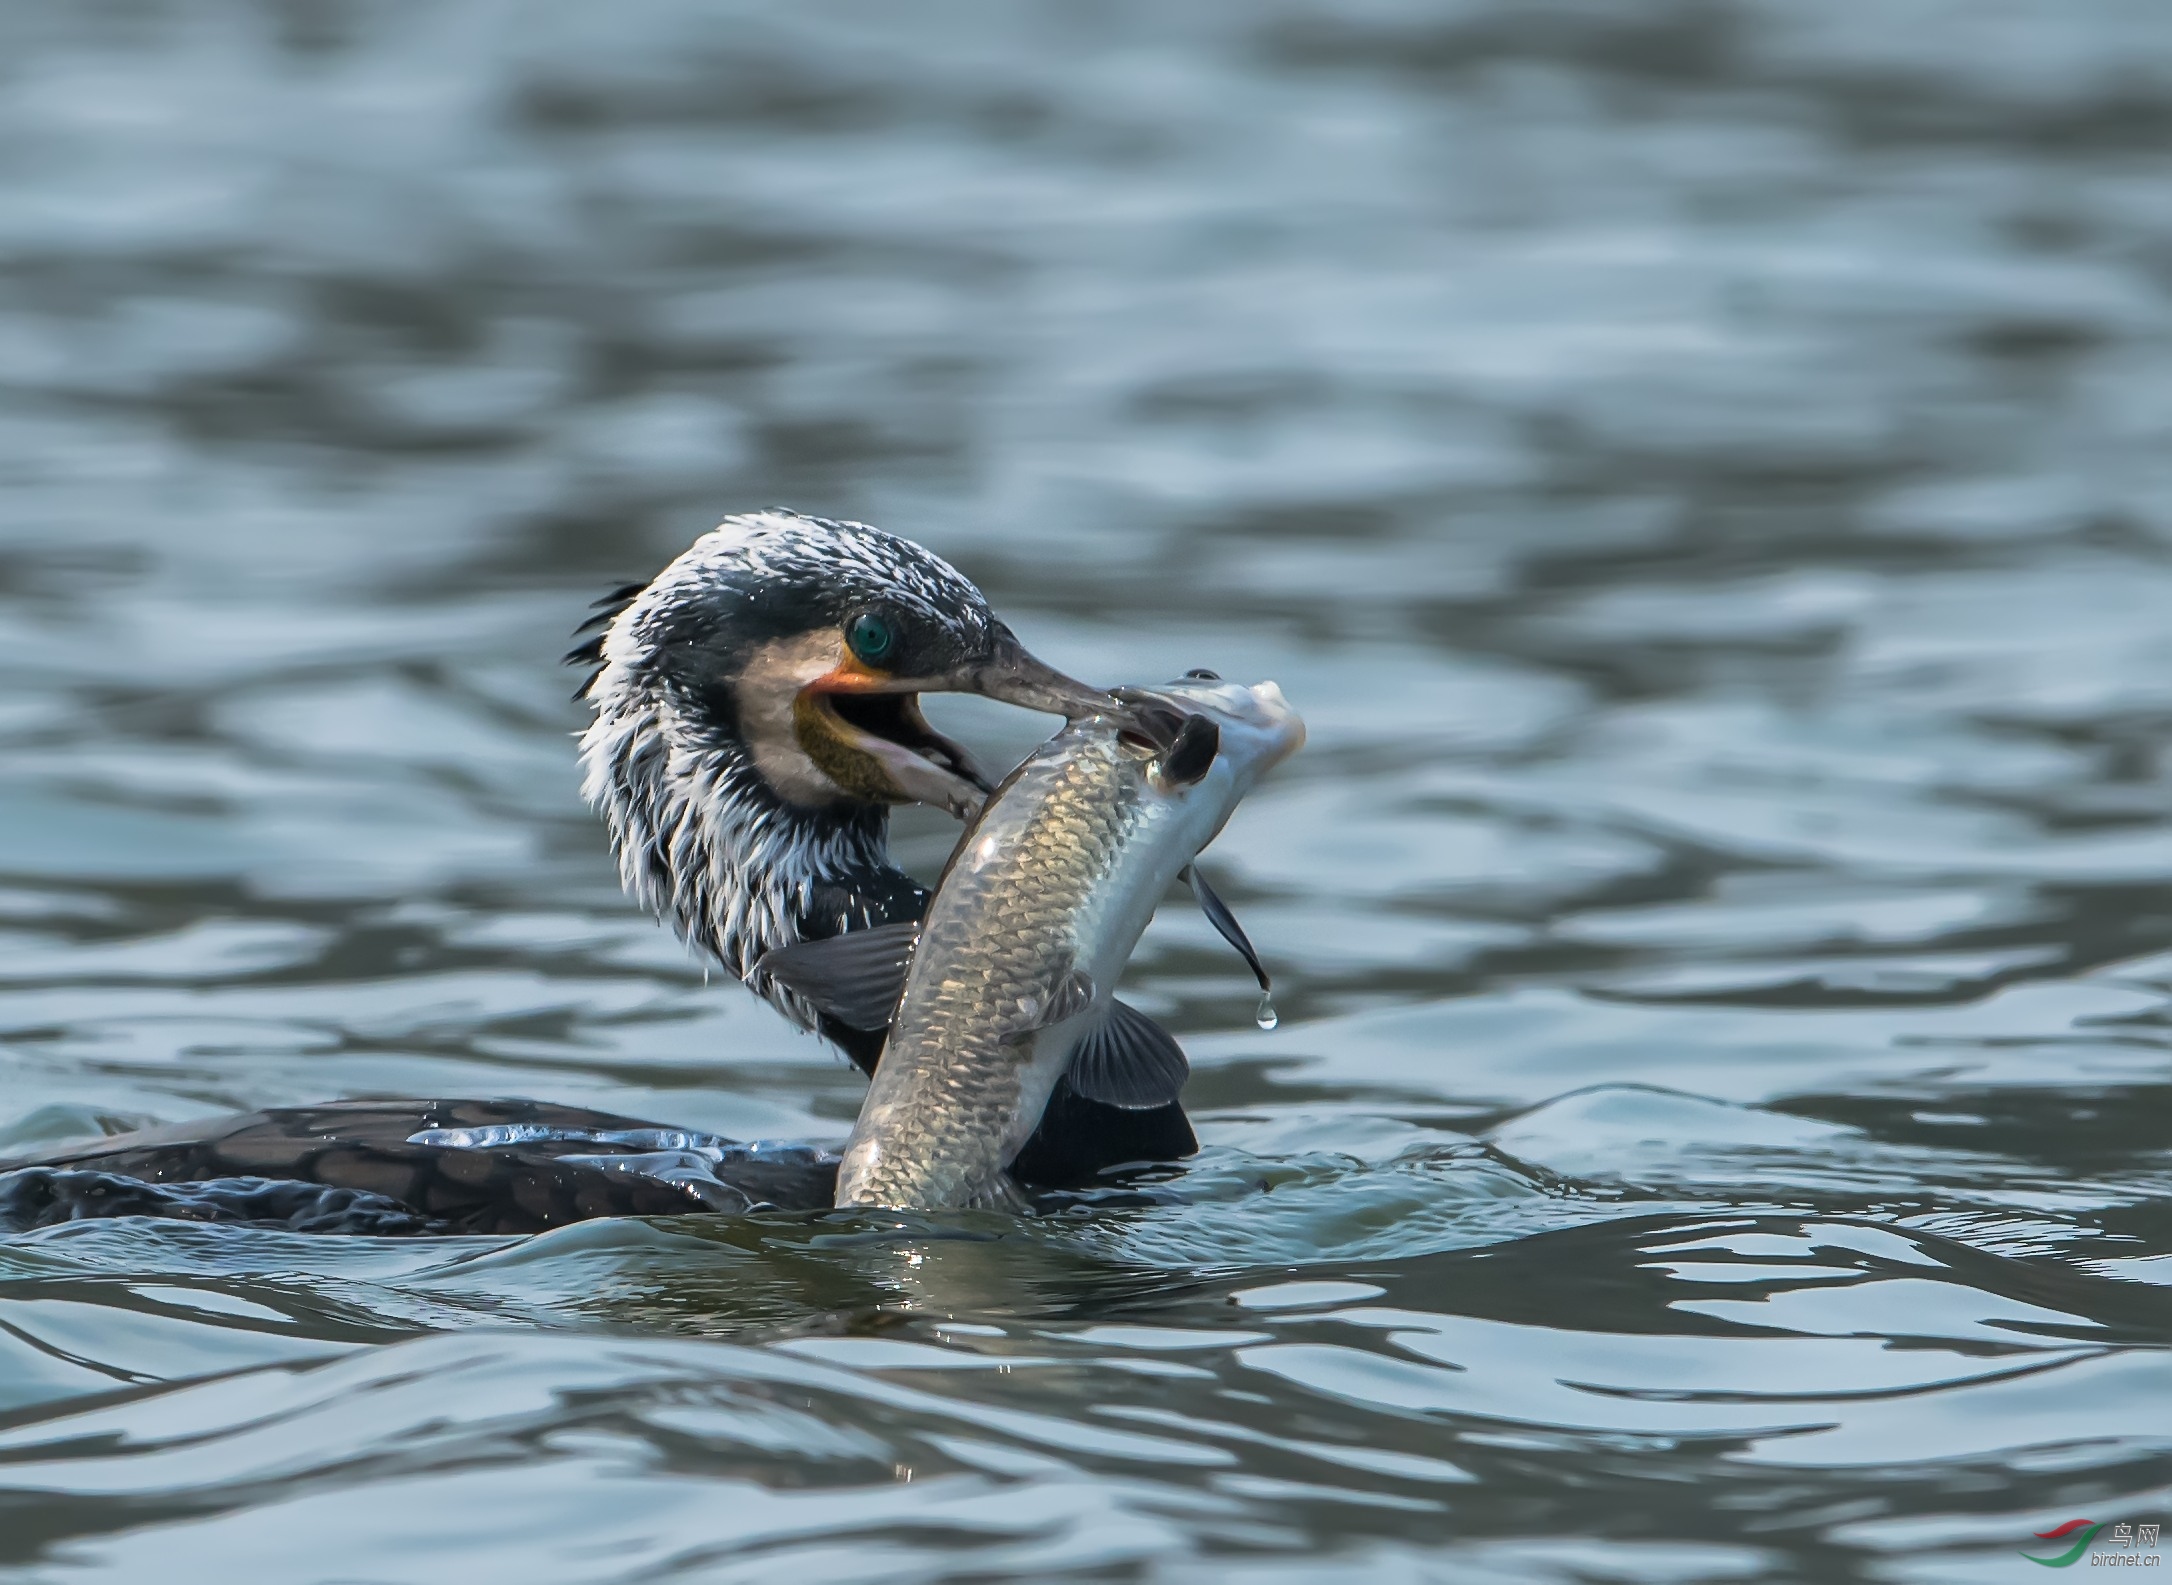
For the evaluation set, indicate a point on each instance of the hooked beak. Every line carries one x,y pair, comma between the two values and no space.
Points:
1012,676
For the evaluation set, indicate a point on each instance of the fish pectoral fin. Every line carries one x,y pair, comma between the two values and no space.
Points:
1218,915
998,1193
1067,995
856,978
1191,756
1129,1062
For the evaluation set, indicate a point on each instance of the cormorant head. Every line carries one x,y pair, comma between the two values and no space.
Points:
756,711
807,642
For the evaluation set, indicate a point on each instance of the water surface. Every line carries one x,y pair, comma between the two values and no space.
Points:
1702,469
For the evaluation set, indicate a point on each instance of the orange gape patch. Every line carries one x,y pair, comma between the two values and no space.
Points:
852,675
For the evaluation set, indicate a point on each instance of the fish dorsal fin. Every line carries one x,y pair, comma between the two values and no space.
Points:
855,978
1129,1062
1219,916
1069,992
1191,756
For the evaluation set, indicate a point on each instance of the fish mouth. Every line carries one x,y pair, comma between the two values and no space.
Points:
885,749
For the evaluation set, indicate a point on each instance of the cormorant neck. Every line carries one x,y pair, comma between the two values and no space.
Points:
708,845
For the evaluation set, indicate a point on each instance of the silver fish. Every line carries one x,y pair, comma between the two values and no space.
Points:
1006,985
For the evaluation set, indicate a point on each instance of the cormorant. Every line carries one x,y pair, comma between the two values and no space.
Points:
755,715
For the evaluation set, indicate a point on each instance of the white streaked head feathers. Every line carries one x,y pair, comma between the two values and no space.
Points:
703,843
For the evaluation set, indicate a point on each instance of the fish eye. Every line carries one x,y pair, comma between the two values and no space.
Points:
870,636
1204,675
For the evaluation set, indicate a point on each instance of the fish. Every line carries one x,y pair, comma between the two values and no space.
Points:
1005,986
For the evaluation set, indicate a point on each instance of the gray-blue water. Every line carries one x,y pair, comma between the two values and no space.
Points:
1704,468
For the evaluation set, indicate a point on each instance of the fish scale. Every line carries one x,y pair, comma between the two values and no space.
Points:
994,936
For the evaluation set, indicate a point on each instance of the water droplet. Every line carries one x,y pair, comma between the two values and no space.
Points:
1267,1017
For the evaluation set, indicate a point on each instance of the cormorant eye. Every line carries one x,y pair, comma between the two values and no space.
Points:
870,636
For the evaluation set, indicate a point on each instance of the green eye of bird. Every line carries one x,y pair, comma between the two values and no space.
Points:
870,636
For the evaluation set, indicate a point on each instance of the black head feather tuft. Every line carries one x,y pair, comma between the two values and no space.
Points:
589,651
